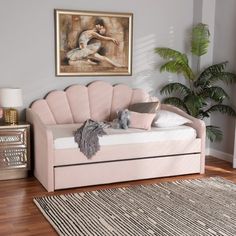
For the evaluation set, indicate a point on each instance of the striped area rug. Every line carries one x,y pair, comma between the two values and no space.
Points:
182,208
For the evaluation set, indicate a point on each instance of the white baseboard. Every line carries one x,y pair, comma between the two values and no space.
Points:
220,155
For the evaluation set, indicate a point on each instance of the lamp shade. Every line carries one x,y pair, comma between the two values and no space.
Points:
11,97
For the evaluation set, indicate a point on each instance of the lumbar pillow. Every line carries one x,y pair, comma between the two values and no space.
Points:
169,119
141,120
123,120
145,107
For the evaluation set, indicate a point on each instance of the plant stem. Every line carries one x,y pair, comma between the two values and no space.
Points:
198,65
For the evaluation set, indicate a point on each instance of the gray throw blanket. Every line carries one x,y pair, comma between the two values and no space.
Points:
87,137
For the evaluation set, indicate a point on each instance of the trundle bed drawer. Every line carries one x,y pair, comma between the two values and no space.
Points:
119,171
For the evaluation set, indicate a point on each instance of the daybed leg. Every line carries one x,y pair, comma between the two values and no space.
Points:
202,167
50,183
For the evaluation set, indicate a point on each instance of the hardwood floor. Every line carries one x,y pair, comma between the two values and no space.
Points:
20,217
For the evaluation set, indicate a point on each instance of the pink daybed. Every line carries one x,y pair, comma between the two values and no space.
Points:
125,154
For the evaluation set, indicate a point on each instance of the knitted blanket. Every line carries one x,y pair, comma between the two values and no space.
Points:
87,137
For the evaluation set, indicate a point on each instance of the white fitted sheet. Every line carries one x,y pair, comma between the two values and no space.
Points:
64,135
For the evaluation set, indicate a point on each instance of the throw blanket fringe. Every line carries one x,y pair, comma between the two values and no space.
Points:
87,137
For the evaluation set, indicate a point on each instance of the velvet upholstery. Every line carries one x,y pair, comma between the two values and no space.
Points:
141,120
78,99
64,168
43,111
99,101
59,106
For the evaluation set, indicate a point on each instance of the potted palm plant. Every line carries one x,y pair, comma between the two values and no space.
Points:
202,95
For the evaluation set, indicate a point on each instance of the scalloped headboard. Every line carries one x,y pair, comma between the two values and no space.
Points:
98,101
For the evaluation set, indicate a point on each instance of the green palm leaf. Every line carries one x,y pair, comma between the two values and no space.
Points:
169,54
172,67
224,109
185,58
211,71
178,67
214,133
202,114
214,69
200,39
177,62
193,103
225,77
175,101
175,87
216,94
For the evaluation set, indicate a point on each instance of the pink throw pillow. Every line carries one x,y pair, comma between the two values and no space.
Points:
141,120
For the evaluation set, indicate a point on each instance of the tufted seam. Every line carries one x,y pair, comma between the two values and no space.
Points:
69,105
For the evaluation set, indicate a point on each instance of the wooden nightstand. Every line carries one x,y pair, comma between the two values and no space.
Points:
14,151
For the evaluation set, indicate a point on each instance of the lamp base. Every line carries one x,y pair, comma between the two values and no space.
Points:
10,116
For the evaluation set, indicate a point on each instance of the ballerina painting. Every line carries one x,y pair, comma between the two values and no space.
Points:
91,43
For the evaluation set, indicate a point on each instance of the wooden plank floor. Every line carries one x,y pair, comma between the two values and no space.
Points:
20,217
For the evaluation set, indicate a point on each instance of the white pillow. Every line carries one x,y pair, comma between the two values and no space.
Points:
169,119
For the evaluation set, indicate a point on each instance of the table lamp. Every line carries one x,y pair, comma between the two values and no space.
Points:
10,98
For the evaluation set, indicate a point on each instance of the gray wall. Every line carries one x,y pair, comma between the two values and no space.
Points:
27,41
225,50
27,44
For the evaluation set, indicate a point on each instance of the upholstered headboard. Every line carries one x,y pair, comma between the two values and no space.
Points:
98,101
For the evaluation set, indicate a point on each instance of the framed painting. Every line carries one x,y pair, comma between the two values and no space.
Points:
93,43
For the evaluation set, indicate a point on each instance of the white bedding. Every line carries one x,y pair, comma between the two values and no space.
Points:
64,138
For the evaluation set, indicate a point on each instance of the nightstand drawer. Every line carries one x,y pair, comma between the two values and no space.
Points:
13,158
13,138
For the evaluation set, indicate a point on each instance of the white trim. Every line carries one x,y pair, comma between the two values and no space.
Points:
220,155
234,157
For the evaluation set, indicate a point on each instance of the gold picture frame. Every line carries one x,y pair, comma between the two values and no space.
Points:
93,43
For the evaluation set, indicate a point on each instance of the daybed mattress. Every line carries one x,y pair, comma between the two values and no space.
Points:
64,135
